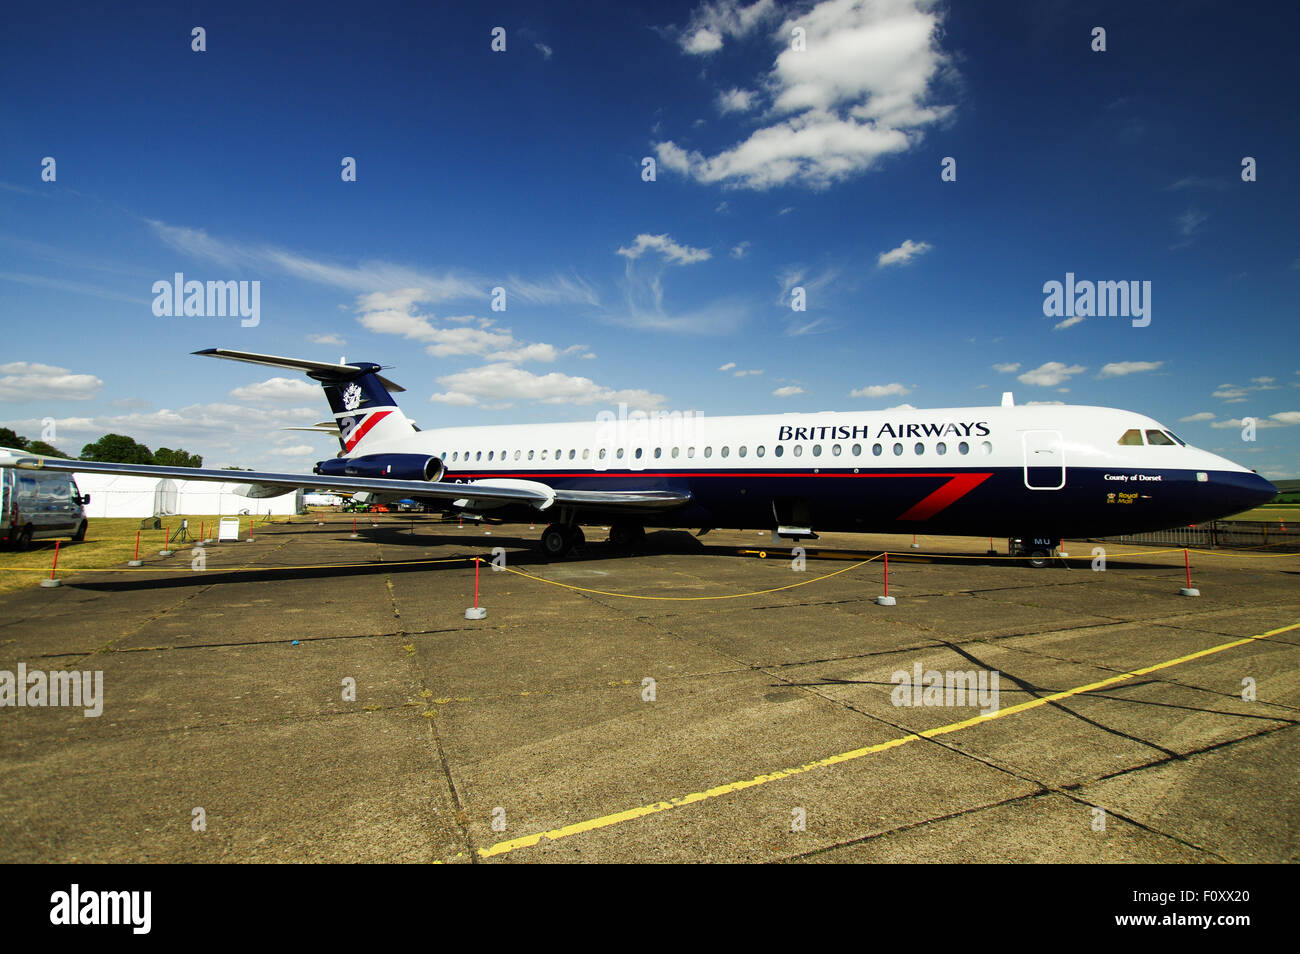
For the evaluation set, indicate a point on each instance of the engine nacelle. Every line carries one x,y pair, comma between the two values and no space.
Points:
389,466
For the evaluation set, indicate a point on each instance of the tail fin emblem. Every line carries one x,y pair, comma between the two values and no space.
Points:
352,397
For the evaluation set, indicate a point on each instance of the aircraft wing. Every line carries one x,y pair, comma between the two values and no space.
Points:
472,494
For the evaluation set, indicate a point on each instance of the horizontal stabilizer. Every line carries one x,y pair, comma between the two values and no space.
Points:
323,368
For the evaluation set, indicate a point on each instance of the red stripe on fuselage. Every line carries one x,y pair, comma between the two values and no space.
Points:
945,496
364,429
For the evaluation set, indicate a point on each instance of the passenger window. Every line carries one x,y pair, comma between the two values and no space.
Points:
516,455
963,448
478,456
586,453
659,452
690,452
919,449
726,451
530,455
602,453
543,455
798,450
779,450
676,451
986,447
572,454
898,450
876,450
837,450
1159,439
941,448
619,455
490,453
857,450
638,453
708,452
817,450
760,450
1131,438
741,452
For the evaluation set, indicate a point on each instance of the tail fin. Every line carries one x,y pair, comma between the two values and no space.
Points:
358,395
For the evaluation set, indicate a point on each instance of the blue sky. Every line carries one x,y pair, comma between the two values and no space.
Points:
776,168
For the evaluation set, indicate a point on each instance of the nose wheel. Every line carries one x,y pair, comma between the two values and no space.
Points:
559,539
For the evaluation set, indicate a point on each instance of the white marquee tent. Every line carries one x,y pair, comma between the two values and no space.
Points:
121,496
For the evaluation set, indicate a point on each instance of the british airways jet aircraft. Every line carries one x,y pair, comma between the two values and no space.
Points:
1033,474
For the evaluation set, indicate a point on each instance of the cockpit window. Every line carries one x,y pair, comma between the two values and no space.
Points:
1177,438
1159,439
1131,437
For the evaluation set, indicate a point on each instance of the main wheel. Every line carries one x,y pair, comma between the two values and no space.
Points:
1039,558
24,539
557,539
626,536
80,535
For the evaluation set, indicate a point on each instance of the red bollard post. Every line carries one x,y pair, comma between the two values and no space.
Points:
476,611
52,581
354,527
135,560
1188,590
886,600
167,535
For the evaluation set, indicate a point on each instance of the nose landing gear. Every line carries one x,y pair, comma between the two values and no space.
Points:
1039,550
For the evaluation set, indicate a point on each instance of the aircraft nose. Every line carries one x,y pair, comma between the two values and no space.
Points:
1249,490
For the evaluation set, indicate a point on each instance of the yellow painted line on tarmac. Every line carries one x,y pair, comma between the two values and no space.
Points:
607,821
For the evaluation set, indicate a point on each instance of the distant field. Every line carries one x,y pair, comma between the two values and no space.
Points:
1270,512
109,542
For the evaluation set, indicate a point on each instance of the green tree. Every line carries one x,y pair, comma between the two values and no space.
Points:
10,439
117,449
166,457
44,449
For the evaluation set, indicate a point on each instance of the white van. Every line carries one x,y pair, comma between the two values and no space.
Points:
39,505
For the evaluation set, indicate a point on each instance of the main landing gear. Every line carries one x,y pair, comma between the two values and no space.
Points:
560,538
626,536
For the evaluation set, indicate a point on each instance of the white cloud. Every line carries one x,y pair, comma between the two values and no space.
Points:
856,93
735,101
327,339
1068,322
543,49
880,390
1193,418
1286,417
789,390
1050,374
1261,423
903,254
672,252
1008,368
295,450
740,251
1043,403
449,284
28,381
1231,393
712,22
394,313
1117,369
495,383
277,390
728,366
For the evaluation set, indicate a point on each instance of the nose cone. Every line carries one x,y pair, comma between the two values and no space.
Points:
1244,491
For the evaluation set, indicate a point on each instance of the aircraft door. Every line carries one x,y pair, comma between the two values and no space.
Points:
1044,460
